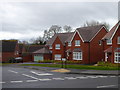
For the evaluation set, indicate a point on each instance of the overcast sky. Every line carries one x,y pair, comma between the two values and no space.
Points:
28,20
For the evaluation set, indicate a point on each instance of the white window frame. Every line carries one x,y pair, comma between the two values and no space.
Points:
109,42
77,55
57,46
69,43
57,57
77,42
118,40
117,57
50,47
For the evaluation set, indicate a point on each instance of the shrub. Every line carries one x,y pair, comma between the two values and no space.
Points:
45,61
108,64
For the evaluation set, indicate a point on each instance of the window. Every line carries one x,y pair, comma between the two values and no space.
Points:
100,42
57,46
117,57
118,40
109,42
77,55
69,43
57,57
50,47
16,53
77,42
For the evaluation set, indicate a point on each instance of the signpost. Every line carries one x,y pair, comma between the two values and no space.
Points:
64,61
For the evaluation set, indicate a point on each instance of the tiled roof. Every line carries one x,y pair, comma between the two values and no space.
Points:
111,32
109,50
64,37
33,48
44,50
87,33
8,45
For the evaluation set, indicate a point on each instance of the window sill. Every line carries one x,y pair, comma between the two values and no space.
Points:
77,59
77,45
109,44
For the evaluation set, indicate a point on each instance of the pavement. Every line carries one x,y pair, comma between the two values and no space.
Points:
76,71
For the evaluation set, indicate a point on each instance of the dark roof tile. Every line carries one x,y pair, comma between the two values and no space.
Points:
8,45
87,33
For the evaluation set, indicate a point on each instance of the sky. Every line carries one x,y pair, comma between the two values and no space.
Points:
27,20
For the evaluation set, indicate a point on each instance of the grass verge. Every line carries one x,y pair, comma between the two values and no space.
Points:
88,67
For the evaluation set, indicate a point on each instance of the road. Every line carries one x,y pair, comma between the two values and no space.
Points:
17,77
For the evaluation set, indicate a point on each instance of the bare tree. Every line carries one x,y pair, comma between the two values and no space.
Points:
54,29
94,23
46,35
67,28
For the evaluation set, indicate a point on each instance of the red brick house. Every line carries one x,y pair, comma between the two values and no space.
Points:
27,56
21,49
10,49
83,45
112,45
57,45
42,54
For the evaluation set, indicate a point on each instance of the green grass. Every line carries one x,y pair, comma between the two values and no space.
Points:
1,64
88,67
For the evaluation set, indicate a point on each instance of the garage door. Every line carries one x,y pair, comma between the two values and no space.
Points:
38,58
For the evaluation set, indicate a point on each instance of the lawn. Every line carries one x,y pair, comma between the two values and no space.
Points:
88,67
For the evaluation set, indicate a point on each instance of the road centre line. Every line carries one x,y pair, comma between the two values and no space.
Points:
12,71
106,86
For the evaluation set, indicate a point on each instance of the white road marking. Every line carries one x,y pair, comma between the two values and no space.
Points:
102,76
40,73
92,77
12,71
30,76
2,82
31,80
46,79
82,77
58,78
112,76
106,86
16,81
70,78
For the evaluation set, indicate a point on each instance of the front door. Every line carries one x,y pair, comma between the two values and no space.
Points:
108,57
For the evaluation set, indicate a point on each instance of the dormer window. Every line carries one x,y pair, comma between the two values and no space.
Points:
57,46
109,42
77,42
118,40
69,43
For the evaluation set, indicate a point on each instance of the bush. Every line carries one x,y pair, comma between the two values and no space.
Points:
68,62
108,64
46,61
